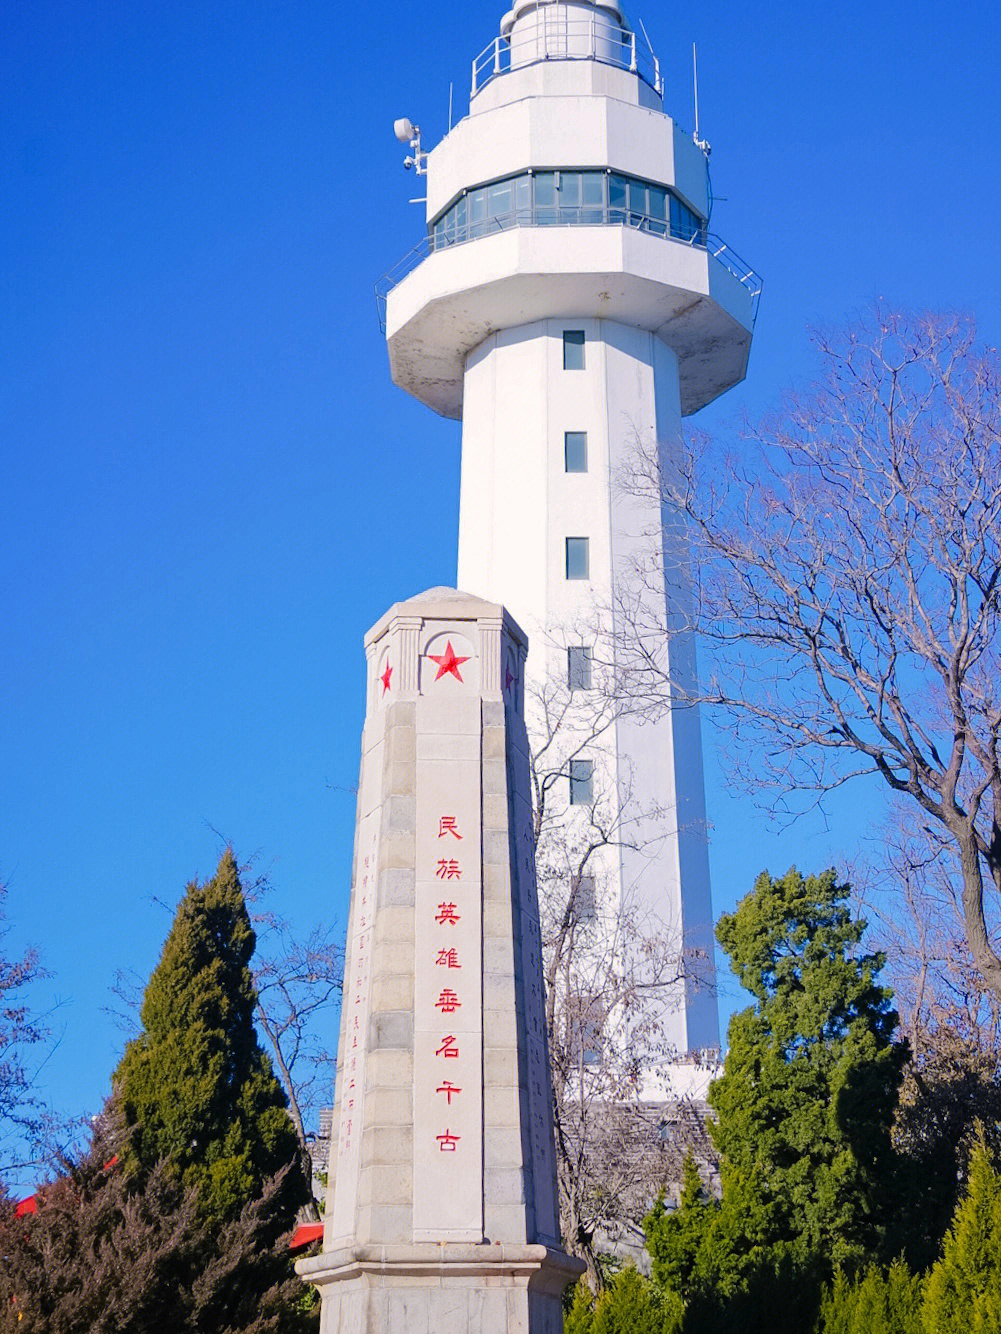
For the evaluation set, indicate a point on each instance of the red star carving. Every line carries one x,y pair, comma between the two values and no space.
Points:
386,677
448,662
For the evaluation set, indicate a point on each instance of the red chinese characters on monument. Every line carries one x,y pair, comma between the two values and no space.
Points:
445,955
448,1002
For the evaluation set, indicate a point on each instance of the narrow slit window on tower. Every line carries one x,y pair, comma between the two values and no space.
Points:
585,908
578,558
588,1026
581,782
573,349
575,450
579,668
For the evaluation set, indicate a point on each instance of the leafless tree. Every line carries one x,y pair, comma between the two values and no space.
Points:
611,975
848,575
911,895
299,981
22,1116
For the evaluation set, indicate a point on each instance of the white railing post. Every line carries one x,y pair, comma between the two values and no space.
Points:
657,82
473,93
632,53
497,55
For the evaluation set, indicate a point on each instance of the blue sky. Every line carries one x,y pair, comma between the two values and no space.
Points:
211,489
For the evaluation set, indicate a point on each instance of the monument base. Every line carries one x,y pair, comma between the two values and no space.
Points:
444,1288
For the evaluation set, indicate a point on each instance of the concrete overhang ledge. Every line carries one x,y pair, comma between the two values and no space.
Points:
460,295
442,1260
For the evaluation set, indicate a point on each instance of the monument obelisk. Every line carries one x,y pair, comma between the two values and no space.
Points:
441,1212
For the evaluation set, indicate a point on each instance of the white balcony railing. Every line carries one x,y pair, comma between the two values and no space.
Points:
700,240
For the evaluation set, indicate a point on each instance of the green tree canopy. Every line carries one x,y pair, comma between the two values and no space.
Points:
195,1089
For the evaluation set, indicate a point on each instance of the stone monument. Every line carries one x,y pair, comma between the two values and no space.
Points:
441,1212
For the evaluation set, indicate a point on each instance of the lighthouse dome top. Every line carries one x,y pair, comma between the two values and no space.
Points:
523,8
547,31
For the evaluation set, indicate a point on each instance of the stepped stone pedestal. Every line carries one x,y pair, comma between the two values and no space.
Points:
441,1211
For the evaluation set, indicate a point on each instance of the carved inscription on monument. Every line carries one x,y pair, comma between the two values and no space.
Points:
351,1062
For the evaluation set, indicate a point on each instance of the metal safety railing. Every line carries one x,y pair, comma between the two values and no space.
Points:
556,36
588,215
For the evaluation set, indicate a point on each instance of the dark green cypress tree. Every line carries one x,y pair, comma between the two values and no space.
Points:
806,1102
803,1116
195,1089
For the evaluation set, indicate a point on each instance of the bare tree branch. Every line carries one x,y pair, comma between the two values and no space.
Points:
23,1119
611,974
847,576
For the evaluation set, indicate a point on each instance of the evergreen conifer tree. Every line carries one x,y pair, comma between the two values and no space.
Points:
676,1247
195,1090
964,1288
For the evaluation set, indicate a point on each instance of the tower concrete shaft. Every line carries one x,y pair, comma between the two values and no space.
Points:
571,306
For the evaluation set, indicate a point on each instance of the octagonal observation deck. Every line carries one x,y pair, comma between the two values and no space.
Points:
566,192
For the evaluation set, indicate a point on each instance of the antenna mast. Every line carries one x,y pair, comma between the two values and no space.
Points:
704,144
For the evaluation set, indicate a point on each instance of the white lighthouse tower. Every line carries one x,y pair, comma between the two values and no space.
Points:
570,305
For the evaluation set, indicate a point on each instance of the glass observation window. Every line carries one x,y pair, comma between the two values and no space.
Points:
567,198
